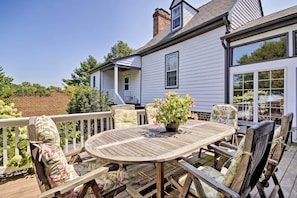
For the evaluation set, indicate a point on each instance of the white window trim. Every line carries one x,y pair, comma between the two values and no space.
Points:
176,17
176,55
257,68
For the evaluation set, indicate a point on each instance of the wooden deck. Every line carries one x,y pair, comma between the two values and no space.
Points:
143,180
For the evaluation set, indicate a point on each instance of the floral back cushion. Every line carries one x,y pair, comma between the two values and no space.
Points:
232,169
57,168
226,114
125,118
151,112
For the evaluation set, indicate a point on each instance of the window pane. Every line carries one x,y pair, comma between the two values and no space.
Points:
171,63
171,78
271,96
260,51
176,23
243,95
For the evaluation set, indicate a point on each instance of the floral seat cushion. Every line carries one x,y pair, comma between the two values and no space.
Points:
58,170
125,118
225,179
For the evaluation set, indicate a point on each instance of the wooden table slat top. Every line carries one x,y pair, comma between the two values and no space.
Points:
147,143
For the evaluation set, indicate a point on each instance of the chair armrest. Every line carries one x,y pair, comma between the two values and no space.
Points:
221,151
66,187
208,180
228,145
75,152
273,162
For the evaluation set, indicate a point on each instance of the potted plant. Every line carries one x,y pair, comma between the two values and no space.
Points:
174,110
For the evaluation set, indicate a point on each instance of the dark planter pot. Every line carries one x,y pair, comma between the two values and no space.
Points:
172,127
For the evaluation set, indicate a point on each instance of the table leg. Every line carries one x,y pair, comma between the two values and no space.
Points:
160,179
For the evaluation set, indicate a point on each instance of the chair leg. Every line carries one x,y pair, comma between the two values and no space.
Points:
280,191
200,151
260,188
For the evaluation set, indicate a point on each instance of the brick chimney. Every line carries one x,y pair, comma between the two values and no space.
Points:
161,20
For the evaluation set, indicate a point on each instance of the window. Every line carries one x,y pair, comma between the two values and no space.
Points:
176,18
171,70
94,81
126,83
268,49
269,102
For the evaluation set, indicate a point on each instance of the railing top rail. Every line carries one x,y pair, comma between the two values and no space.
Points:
58,118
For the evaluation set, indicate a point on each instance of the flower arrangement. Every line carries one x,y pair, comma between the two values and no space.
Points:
173,108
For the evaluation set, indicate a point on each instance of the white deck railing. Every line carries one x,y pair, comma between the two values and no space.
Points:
87,124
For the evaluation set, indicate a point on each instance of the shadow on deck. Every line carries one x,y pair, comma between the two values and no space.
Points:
142,182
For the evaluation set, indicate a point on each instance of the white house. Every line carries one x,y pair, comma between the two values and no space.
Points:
192,50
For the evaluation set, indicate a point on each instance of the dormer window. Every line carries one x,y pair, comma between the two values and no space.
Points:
176,18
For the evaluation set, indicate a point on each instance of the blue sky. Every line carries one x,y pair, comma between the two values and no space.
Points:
44,41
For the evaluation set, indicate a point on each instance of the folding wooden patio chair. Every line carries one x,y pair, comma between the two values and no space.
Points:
225,114
280,140
55,176
243,173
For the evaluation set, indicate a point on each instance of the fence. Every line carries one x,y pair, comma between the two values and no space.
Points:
86,124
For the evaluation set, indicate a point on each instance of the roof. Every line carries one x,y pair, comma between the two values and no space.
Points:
208,13
265,23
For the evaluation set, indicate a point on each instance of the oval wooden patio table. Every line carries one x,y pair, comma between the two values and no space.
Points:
147,143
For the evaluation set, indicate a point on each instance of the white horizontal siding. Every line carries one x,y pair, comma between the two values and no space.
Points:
201,71
243,12
188,13
97,79
133,61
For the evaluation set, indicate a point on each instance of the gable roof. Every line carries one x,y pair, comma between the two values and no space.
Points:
211,13
264,24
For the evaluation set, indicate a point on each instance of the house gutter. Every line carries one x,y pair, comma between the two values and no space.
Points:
227,62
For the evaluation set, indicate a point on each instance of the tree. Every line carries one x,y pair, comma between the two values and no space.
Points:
119,50
6,86
81,75
23,157
85,99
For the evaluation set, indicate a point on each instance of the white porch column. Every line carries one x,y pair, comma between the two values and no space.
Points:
117,96
116,79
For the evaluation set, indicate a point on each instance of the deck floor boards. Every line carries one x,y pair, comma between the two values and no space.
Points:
26,186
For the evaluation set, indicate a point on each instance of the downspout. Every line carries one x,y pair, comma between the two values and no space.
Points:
227,61
116,84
